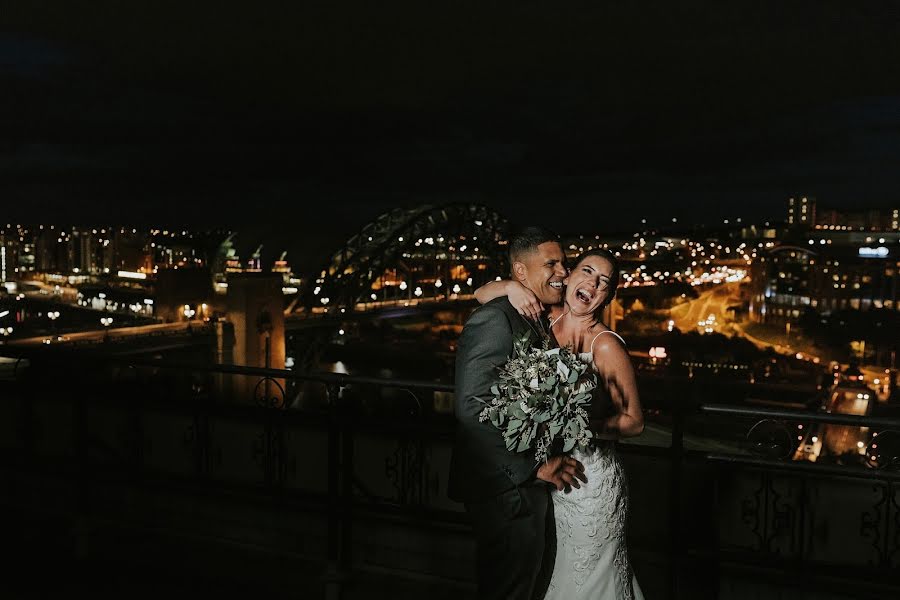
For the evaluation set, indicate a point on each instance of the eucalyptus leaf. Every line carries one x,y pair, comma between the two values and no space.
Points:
555,429
541,416
573,429
523,445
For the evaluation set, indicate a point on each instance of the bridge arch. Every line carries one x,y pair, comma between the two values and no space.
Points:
410,254
811,251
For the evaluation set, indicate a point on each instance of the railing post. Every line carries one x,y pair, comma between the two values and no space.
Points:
346,545
201,440
333,575
136,431
81,528
676,540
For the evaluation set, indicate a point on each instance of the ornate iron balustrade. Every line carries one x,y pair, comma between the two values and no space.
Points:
392,465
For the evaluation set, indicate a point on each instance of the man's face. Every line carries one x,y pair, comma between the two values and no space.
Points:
543,271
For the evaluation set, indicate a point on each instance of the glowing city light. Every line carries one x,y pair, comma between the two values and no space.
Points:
132,275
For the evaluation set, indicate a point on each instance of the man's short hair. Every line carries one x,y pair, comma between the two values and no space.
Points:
527,240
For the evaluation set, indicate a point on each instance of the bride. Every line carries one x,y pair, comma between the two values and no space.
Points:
591,556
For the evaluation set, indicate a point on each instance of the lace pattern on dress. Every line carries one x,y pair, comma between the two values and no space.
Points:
592,557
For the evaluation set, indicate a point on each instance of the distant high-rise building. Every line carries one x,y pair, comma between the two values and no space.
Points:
9,256
830,218
131,250
81,250
51,251
860,220
801,212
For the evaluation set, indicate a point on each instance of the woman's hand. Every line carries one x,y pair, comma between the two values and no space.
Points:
524,300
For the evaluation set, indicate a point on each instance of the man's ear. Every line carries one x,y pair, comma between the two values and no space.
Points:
519,271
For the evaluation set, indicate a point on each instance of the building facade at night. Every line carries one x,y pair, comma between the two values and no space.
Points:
827,261
831,271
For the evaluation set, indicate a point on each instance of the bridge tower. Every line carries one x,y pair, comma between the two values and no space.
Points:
254,336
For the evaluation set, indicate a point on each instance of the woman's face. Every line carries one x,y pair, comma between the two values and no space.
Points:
587,286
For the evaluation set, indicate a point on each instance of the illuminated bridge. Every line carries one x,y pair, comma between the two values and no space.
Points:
410,255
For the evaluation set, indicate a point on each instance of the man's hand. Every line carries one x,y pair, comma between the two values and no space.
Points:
562,472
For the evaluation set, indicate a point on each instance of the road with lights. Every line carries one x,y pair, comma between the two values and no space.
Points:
709,312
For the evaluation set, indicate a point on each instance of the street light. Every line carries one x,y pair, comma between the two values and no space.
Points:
53,315
106,321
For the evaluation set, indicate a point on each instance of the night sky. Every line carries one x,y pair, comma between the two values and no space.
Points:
298,123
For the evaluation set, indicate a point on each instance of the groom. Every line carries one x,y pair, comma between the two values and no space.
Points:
506,497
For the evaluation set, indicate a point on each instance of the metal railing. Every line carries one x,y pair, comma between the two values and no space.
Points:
345,495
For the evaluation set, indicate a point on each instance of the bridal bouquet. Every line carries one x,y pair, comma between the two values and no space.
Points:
543,400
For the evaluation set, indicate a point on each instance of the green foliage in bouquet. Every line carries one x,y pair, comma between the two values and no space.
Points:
543,400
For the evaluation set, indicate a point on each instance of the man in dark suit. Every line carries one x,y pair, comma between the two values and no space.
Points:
506,496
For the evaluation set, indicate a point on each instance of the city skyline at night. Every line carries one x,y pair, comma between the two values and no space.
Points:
307,251
314,141
250,260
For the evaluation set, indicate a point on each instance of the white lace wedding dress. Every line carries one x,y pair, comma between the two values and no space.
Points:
591,556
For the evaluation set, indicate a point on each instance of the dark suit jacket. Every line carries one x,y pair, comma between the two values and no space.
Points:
481,466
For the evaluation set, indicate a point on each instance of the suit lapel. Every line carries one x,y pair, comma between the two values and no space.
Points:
538,330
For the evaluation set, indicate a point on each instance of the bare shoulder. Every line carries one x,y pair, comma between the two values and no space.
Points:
608,345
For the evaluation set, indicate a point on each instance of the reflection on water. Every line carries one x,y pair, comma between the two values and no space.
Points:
416,346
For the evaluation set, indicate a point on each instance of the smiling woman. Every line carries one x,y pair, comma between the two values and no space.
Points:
592,285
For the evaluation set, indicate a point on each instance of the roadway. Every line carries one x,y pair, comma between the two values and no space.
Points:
112,334
713,303
840,439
